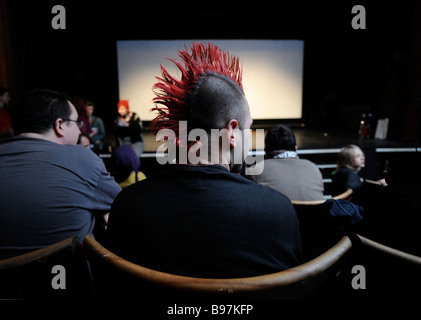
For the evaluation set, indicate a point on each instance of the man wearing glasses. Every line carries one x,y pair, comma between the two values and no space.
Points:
50,188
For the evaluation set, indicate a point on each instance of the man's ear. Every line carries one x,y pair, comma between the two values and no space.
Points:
232,126
58,127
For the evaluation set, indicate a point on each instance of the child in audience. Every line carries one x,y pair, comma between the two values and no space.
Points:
350,161
127,163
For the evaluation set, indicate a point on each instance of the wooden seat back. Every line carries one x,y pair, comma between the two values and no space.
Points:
114,274
58,271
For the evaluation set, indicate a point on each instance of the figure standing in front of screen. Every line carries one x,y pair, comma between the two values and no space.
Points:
128,128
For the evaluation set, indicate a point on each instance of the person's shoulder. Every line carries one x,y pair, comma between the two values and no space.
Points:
80,154
97,119
136,191
348,172
342,172
272,162
272,202
263,191
143,184
10,140
276,162
39,145
80,150
309,165
307,162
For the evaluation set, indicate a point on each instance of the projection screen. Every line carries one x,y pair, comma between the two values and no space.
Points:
272,73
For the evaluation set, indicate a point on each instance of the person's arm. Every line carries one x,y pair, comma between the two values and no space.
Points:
100,133
106,191
381,182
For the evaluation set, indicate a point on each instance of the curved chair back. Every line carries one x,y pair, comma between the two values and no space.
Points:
319,229
388,272
390,252
344,196
31,275
115,274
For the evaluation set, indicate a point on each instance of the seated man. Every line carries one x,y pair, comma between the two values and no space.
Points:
284,171
198,217
50,188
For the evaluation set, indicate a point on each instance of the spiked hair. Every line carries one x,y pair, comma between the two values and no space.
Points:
177,96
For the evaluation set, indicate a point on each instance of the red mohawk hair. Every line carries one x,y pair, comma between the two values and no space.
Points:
171,93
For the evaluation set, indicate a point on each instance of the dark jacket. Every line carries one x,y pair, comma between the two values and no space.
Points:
204,221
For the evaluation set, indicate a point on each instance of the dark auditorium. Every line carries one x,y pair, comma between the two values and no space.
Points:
205,159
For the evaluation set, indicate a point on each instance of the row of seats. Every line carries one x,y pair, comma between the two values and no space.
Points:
105,275
352,265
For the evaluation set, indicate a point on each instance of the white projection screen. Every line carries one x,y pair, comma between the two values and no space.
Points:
272,73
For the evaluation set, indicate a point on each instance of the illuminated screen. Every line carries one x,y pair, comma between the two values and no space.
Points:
272,73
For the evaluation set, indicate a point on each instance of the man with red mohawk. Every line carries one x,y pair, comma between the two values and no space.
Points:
199,218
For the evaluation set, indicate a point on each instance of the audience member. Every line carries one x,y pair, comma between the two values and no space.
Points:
80,103
202,218
6,129
284,171
50,188
128,128
97,133
126,166
84,140
350,161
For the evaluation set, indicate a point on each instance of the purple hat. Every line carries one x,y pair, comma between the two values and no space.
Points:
125,157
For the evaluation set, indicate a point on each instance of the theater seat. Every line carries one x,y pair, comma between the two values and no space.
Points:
344,196
323,222
58,271
117,277
391,253
390,273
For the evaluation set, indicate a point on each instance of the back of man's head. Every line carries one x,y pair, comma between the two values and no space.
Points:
208,95
37,111
213,101
280,138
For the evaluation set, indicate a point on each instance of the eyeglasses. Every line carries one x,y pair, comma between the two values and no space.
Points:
78,123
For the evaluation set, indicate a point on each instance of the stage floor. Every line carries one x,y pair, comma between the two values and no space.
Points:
310,139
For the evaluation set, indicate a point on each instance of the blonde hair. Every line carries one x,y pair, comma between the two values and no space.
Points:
346,156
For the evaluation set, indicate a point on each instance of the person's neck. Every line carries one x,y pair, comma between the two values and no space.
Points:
209,161
282,154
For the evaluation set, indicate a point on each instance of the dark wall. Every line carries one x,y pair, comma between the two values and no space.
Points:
346,71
